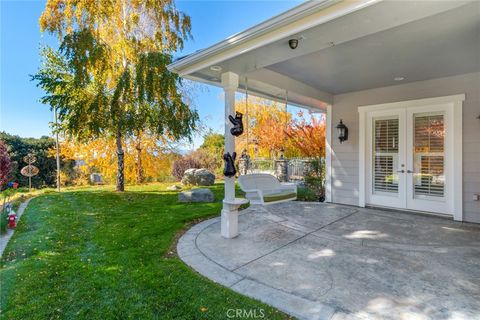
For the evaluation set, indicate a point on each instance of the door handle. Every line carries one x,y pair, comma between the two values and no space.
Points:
409,171
401,171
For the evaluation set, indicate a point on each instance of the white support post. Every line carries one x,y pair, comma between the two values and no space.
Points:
328,155
457,160
229,225
362,144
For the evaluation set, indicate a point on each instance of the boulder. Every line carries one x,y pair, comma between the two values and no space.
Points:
174,188
96,178
188,177
196,195
198,177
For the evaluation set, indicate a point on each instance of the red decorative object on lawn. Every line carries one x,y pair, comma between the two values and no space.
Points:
12,220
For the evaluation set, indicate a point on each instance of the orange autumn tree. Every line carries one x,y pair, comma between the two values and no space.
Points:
264,124
269,127
307,134
99,156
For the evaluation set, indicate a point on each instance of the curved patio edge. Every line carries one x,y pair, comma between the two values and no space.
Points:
296,306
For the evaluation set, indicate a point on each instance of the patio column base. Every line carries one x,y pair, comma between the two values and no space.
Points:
229,220
229,223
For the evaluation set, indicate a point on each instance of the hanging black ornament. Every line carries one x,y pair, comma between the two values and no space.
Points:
229,169
237,124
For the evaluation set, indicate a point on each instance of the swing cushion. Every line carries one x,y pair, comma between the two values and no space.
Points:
263,188
279,196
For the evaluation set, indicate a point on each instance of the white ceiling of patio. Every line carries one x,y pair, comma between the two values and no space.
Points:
443,45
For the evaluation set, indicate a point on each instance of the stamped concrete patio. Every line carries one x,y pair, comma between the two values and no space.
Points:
324,261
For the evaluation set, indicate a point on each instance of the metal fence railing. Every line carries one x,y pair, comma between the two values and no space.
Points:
261,166
297,167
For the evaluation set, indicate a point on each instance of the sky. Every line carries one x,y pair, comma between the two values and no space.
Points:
22,114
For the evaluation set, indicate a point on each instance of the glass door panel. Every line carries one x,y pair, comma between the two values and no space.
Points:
427,179
386,175
385,155
429,156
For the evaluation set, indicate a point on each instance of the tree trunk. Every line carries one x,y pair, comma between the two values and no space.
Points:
120,164
138,146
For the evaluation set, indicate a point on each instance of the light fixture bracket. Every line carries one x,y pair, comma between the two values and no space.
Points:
293,43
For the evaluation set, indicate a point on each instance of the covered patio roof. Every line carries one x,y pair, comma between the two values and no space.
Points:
344,46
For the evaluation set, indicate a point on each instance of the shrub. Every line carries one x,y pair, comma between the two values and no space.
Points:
315,179
19,147
182,164
5,197
306,194
5,165
3,221
209,159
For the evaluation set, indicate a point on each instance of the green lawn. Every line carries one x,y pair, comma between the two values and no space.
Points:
92,253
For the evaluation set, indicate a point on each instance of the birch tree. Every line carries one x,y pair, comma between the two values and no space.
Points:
109,77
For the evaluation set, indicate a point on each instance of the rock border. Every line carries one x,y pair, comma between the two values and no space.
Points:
4,239
296,306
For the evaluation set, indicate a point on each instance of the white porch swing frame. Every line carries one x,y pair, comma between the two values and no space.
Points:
263,188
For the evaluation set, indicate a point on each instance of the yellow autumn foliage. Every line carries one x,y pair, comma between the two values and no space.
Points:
99,156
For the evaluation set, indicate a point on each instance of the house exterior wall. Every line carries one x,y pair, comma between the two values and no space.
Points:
345,157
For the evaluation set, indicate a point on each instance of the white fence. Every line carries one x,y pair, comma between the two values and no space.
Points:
297,167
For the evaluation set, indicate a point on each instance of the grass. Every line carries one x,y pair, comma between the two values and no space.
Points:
93,253
15,197
306,194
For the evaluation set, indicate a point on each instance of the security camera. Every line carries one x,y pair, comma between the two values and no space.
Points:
293,43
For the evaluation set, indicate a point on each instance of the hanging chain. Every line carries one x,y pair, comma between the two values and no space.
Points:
286,118
246,114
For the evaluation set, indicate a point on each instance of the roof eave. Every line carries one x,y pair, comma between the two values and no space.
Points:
292,15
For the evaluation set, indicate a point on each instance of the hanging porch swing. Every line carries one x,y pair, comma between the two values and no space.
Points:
262,188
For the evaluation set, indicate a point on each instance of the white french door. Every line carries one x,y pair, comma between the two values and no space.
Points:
386,161
408,157
427,177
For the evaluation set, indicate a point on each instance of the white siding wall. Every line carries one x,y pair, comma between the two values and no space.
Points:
345,156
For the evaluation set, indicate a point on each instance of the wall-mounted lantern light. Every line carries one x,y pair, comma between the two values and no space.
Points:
342,131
